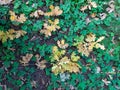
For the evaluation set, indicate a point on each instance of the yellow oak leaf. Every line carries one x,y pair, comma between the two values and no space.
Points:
74,58
55,11
57,53
11,34
82,48
14,17
65,64
50,27
87,47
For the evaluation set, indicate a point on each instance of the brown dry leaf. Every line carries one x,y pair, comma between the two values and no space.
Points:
20,33
93,4
82,48
25,59
37,13
21,18
55,11
90,46
14,17
40,64
3,2
83,8
62,44
89,5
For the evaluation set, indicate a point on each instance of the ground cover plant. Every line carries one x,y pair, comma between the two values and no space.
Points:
59,44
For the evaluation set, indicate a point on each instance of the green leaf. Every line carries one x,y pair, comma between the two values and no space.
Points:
118,1
17,3
38,25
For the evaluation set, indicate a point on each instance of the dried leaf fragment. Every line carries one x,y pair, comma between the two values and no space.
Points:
37,13
4,2
90,37
106,82
40,64
54,11
25,59
62,44
89,5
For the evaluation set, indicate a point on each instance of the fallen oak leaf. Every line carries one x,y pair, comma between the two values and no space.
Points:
55,11
40,64
90,37
25,59
14,17
4,2
50,27
62,44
